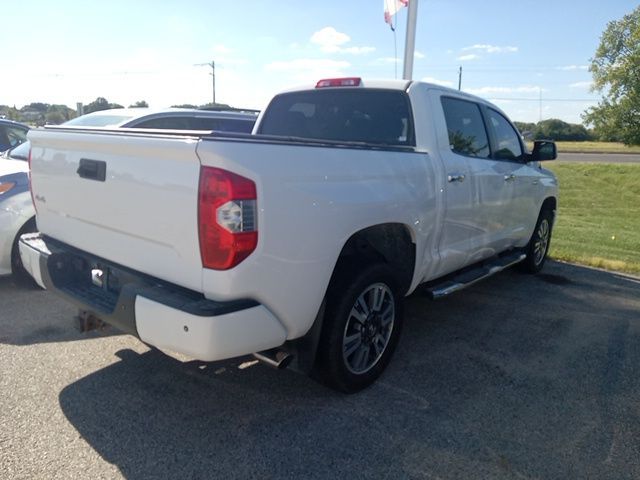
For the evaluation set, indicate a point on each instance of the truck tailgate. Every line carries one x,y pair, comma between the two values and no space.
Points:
131,199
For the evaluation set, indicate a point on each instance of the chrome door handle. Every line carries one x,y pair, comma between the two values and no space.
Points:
455,177
509,178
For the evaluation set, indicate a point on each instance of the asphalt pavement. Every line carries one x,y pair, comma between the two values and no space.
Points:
517,377
599,157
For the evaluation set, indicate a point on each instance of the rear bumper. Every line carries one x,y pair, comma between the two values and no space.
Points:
159,313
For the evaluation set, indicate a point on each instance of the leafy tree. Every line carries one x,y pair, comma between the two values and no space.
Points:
559,130
60,111
54,118
554,129
36,107
616,73
98,104
526,129
10,113
184,105
140,104
214,106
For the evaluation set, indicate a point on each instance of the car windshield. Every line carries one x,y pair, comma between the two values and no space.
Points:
21,152
106,120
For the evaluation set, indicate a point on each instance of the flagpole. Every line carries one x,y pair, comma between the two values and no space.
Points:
410,43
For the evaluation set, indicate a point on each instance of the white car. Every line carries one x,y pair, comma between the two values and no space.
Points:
17,215
232,120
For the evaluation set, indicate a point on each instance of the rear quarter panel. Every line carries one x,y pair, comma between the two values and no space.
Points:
311,200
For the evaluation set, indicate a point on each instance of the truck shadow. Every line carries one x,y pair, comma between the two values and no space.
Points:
30,315
516,377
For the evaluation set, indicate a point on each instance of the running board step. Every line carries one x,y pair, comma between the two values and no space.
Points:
468,278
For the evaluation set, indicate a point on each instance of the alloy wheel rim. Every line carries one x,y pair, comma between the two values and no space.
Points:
542,241
368,328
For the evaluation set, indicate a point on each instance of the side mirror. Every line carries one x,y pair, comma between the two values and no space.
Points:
543,150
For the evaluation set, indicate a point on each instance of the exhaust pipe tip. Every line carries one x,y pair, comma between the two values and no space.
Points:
278,359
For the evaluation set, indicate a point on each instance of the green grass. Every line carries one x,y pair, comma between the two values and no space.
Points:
593,147
598,221
596,147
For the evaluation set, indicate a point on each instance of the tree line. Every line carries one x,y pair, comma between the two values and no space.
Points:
556,129
38,113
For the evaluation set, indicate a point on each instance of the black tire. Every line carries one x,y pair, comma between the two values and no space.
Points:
538,246
350,364
16,262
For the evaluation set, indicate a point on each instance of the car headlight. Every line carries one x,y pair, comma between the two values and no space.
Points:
6,186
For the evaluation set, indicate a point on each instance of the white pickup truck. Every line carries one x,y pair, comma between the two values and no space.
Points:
298,242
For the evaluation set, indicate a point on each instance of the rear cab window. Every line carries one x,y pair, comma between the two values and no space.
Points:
372,116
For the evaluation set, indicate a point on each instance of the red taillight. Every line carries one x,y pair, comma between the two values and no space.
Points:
339,82
227,218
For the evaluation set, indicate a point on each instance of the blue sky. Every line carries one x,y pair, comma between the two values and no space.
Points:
511,52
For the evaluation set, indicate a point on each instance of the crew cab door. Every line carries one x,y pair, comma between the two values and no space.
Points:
462,141
516,202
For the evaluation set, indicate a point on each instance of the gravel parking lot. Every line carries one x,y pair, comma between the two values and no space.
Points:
516,377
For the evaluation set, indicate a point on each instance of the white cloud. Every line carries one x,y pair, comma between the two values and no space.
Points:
444,83
478,47
569,68
332,41
419,55
504,90
588,84
329,39
467,58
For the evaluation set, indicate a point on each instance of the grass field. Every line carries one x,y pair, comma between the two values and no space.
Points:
592,147
598,220
595,147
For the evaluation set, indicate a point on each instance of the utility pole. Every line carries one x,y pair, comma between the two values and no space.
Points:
410,42
540,91
213,75
460,78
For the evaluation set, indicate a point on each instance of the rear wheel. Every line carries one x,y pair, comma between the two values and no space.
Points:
538,246
362,324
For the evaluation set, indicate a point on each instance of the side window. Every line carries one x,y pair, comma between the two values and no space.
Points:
507,139
11,137
16,136
224,124
166,123
467,134
4,139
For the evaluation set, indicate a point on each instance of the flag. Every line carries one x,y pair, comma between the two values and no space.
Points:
391,7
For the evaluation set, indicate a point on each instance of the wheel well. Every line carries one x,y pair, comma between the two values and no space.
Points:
549,204
390,243
28,227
